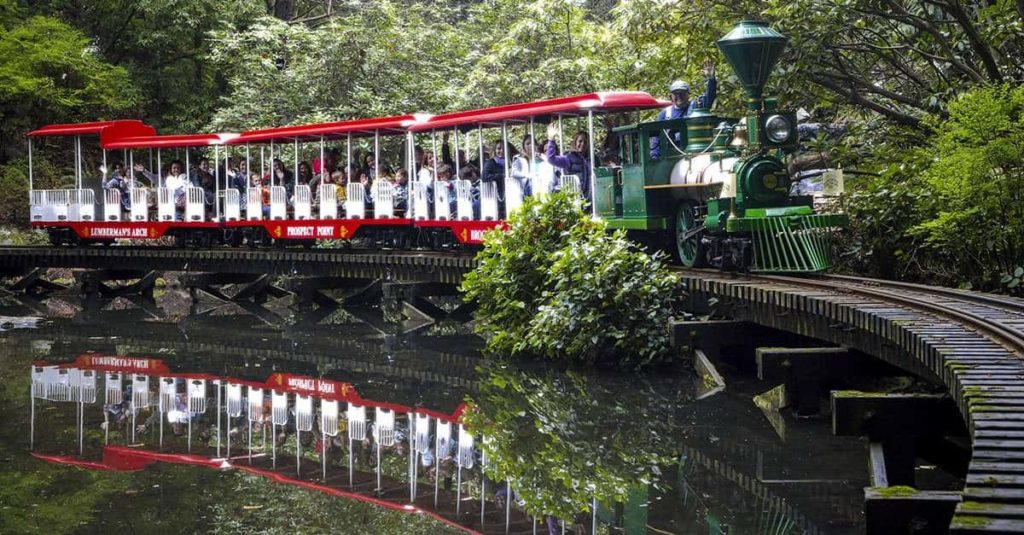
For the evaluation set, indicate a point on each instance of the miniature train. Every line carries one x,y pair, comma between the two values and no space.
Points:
717,193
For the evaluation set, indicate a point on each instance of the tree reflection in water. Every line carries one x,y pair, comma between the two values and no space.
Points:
564,438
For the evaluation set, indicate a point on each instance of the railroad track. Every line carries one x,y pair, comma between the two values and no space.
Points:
1000,318
974,342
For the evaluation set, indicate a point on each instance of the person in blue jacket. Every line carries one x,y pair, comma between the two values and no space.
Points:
682,106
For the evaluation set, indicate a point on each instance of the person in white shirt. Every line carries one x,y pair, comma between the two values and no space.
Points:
524,165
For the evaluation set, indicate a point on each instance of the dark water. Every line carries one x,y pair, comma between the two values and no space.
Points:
643,447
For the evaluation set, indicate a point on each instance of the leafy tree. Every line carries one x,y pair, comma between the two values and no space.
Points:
52,72
557,285
951,211
374,61
563,439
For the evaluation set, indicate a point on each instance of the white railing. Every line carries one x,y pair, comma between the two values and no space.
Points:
422,433
278,203
328,195
255,400
278,407
329,417
466,452
195,204
513,196
140,391
87,386
234,403
464,200
442,210
254,204
355,201
444,439
168,391
111,205
383,194
37,204
83,205
196,396
356,422
489,201
232,204
165,209
59,387
303,412
54,205
140,204
384,427
419,201
38,382
303,202
569,183
112,387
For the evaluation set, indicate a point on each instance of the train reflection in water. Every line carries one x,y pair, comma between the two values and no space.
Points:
323,435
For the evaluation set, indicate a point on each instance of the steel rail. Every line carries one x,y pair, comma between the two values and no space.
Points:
996,301
1012,338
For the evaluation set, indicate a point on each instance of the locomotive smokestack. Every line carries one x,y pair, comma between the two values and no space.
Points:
752,49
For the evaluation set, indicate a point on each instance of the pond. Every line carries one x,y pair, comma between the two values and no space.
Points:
219,423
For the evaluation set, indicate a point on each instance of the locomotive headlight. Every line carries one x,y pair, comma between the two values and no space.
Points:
777,129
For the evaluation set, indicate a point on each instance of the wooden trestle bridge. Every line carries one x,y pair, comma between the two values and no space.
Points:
970,343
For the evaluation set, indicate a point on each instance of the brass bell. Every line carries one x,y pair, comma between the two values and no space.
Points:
739,136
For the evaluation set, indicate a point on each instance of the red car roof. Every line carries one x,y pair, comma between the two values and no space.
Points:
572,106
313,132
144,142
128,127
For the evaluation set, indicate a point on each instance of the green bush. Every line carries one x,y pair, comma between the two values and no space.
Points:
557,285
563,439
952,211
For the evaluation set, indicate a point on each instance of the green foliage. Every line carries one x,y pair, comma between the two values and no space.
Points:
951,211
384,59
557,285
564,439
52,72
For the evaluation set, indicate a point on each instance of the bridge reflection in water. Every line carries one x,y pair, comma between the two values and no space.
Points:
641,448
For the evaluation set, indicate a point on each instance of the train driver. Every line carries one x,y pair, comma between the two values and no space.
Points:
682,106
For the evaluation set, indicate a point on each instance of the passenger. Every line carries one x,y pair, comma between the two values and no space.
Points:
471,174
444,177
370,166
328,166
525,164
305,173
494,168
196,175
426,172
446,153
281,176
257,182
682,106
545,176
401,181
576,162
119,181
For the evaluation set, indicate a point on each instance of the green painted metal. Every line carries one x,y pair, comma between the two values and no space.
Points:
609,193
752,49
646,223
700,130
634,197
792,244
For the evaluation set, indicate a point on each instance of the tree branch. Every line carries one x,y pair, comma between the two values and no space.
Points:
857,99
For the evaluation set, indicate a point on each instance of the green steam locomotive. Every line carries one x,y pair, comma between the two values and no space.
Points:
718,190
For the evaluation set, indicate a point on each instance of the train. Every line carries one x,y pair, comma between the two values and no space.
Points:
718,194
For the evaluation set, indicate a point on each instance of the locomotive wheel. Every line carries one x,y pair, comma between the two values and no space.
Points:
688,250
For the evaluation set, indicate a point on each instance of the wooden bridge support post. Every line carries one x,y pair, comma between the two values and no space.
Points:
898,425
805,371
